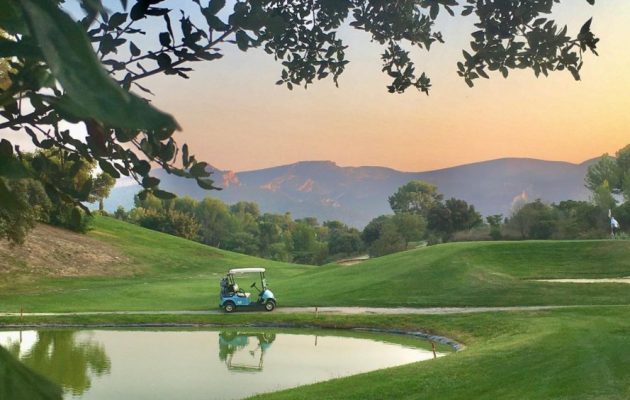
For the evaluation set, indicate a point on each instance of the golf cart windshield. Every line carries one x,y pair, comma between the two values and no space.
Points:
245,270
242,271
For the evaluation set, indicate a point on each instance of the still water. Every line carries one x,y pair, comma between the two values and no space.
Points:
198,364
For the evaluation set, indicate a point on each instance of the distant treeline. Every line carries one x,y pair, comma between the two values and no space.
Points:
540,221
421,216
242,228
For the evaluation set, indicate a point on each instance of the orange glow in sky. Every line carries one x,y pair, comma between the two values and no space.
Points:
234,116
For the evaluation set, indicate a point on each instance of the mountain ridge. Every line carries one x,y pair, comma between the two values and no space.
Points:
355,195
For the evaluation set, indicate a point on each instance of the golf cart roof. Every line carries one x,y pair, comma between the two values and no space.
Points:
245,270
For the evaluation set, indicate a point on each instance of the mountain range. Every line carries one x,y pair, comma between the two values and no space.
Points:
355,195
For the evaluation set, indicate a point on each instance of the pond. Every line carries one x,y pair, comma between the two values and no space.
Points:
203,364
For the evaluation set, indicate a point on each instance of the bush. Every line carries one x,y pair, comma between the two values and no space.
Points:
474,235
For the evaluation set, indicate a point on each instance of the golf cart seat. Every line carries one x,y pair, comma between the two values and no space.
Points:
239,292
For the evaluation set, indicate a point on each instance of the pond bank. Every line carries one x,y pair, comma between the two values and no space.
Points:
455,345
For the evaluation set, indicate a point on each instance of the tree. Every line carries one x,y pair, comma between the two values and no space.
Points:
185,204
121,214
73,175
392,233
246,216
342,240
463,214
389,241
611,174
101,187
372,230
242,242
603,196
622,213
5,66
439,221
34,206
416,197
534,220
166,220
89,82
581,219
495,225
310,242
410,226
452,216
215,220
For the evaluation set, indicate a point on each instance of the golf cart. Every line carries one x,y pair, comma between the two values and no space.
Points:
233,297
239,354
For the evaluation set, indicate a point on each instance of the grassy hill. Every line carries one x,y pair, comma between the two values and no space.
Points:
163,272
577,353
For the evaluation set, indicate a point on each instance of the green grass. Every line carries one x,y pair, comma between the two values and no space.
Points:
176,274
577,353
580,353
180,274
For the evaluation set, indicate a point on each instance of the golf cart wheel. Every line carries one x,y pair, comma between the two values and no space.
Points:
270,305
229,307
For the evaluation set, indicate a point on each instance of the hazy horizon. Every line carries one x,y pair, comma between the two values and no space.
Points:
338,164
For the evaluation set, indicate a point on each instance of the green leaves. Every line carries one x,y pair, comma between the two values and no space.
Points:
161,194
242,40
116,20
215,6
199,170
150,182
10,48
207,184
91,93
133,49
521,35
109,168
6,149
165,39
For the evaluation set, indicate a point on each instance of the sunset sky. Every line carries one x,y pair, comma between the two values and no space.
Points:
235,117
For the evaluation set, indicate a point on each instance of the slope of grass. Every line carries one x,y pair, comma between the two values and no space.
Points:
472,274
562,354
180,274
176,274
579,353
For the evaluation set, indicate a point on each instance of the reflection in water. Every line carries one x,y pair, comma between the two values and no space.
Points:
171,364
18,382
62,357
233,343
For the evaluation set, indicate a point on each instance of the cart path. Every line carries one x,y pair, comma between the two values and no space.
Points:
322,310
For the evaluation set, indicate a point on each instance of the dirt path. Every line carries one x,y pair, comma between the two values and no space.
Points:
321,310
625,280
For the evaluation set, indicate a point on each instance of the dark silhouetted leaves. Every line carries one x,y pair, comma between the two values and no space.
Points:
91,93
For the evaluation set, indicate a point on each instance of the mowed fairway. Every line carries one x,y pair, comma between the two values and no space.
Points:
171,273
576,353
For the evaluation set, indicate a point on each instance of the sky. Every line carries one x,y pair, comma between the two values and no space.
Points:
236,118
